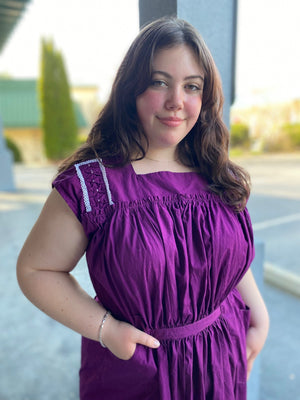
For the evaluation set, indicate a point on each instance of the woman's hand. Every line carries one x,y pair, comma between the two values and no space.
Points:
255,341
121,338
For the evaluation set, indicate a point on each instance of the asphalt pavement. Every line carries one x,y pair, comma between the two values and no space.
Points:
39,358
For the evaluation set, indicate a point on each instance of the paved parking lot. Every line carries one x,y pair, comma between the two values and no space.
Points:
275,207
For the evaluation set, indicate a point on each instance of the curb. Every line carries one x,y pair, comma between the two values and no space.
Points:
287,281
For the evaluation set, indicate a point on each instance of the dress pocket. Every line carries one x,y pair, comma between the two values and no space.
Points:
237,316
135,354
246,313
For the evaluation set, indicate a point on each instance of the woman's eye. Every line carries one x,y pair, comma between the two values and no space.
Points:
193,88
158,83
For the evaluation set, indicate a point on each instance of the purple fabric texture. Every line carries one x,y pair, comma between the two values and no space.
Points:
164,253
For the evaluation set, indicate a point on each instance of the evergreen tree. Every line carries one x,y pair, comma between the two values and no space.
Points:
58,115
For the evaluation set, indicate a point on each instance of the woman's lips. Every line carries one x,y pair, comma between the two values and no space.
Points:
171,121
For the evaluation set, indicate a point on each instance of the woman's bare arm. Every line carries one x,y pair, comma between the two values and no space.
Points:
259,320
51,251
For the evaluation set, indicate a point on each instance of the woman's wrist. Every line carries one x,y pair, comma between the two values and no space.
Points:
102,327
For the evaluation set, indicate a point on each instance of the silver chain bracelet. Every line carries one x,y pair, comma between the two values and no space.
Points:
107,313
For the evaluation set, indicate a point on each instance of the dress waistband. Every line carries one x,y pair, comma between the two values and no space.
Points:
184,331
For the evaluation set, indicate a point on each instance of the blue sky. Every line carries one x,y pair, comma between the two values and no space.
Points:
93,36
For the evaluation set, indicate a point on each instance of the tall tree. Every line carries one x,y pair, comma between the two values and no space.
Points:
58,115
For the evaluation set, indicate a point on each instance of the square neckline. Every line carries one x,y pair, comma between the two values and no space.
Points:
160,172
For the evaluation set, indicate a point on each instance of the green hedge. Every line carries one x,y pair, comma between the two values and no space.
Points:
239,135
292,131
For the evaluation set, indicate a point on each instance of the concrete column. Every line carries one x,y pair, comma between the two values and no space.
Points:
154,9
6,164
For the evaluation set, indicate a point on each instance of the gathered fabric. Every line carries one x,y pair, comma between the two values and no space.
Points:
165,255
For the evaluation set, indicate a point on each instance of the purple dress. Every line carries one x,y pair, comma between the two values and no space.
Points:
165,255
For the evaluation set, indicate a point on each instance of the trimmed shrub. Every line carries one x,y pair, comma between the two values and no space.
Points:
58,115
292,131
239,135
11,145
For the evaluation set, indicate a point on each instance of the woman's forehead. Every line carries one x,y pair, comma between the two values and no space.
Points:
176,54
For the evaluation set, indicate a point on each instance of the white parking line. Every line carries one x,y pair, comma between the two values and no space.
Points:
276,221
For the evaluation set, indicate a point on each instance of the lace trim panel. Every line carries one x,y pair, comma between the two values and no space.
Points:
84,189
85,193
103,170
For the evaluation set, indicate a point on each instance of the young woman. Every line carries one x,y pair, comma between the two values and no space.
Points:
160,211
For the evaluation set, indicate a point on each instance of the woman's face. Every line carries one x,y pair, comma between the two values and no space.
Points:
170,106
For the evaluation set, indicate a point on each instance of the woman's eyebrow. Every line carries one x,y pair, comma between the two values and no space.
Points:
170,77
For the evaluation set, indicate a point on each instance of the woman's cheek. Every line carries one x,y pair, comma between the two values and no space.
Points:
193,106
152,101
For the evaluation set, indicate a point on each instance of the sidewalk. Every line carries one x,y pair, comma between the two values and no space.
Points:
40,358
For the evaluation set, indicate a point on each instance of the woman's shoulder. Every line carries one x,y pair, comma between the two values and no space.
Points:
80,172
84,180
83,187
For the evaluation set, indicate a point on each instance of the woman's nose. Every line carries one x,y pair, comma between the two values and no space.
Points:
175,99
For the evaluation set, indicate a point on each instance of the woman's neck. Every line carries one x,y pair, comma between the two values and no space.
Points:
162,155
154,162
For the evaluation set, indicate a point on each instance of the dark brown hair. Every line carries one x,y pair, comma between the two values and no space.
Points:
117,134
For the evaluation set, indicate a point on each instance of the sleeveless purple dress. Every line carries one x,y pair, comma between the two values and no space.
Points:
164,254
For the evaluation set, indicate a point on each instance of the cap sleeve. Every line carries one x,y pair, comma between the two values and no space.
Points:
83,189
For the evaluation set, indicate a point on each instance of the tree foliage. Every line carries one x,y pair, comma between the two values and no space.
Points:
58,115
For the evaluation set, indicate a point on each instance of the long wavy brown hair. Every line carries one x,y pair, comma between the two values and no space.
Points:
118,135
